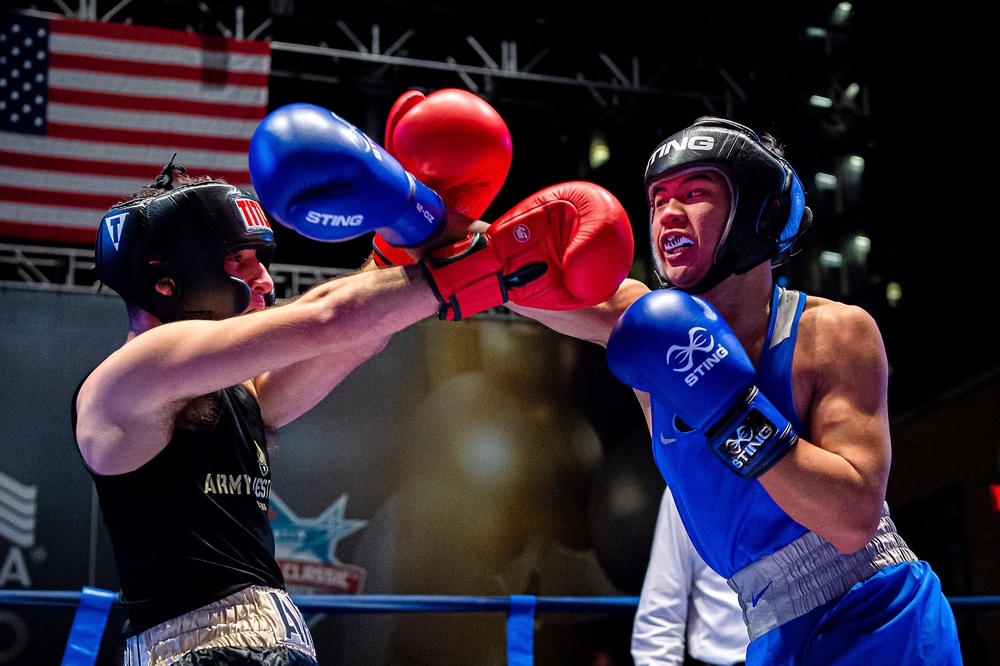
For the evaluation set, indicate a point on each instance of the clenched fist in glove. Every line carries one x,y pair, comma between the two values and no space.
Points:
567,247
320,175
454,142
678,349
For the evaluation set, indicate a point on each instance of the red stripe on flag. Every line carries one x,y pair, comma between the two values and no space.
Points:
50,233
28,195
87,167
140,103
148,138
214,76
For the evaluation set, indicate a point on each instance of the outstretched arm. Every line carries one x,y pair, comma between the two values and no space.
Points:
128,404
370,309
591,324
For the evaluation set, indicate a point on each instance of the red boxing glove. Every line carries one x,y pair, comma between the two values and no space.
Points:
567,247
453,142
589,246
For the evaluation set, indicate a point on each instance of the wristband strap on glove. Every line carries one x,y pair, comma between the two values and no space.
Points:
384,254
468,281
752,437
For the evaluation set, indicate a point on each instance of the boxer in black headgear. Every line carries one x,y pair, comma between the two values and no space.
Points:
768,212
768,412
207,373
164,250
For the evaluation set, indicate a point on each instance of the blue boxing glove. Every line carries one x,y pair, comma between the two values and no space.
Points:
678,349
320,175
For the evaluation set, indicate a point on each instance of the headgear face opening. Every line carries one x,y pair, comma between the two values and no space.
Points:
183,234
768,212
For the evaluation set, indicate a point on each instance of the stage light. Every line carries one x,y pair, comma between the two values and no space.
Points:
830,259
842,13
893,293
599,151
995,496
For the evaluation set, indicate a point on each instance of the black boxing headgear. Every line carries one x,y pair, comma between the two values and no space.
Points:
183,234
767,212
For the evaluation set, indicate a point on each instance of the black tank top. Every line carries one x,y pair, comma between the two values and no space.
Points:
191,526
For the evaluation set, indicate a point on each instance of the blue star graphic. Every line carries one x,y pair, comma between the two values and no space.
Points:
318,536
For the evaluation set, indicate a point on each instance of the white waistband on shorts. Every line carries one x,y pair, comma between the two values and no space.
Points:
253,617
808,573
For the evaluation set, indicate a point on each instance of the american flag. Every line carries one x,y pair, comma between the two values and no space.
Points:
90,112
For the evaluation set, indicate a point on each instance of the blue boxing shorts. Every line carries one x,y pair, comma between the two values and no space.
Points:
899,611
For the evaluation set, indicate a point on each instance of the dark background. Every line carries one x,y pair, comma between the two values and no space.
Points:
915,120
919,121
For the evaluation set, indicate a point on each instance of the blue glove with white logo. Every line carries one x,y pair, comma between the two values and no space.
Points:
320,175
678,349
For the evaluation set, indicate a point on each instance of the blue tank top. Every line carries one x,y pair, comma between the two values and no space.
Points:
733,521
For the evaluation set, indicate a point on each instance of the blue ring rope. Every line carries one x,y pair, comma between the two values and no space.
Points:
94,605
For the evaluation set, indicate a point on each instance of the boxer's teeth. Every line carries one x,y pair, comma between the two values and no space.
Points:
674,242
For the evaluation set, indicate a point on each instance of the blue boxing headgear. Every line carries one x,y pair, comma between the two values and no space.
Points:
183,234
767,213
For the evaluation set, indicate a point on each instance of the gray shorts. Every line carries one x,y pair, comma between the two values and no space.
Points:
260,625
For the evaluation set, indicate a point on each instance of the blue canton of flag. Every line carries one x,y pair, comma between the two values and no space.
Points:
24,52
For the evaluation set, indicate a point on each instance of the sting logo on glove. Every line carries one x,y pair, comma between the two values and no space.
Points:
741,426
749,436
754,443
684,354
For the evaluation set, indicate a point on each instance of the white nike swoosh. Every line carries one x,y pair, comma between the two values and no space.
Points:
665,440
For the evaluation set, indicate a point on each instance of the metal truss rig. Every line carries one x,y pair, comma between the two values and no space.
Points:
549,68
69,269
72,269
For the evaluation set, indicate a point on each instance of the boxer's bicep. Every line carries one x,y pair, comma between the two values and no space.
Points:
117,431
126,408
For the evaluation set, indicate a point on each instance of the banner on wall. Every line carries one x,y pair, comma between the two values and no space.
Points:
306,549
92,111
18,510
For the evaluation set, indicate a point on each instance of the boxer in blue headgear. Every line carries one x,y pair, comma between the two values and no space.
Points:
768,411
